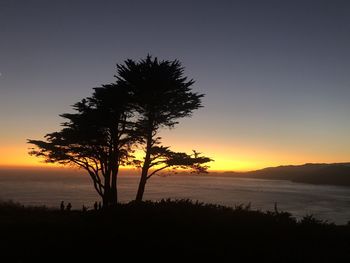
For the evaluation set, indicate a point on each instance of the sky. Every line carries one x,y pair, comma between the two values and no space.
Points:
275,74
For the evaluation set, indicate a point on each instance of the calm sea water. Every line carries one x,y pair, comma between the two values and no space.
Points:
325,202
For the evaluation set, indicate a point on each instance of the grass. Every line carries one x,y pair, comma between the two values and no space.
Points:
168,230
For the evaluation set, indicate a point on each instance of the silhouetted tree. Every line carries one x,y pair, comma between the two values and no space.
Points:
161,95
96,138
100,135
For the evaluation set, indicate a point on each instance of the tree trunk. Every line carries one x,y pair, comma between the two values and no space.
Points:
142,184
107,190
105,201
145,167
114,192
114,164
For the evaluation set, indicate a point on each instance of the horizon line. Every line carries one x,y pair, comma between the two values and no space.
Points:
57,167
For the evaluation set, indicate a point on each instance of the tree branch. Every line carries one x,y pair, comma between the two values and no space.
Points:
156,171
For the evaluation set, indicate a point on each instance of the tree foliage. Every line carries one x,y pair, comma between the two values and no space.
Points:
97,138
162,96
105,129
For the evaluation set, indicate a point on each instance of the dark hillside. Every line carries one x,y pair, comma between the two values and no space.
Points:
330,174
168,230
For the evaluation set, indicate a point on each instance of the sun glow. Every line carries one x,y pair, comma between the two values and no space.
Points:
224,159
18,156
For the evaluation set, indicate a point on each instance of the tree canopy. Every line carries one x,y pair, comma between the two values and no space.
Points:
97,138
162,96
106,128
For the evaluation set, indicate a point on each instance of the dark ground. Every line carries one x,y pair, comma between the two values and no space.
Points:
167,231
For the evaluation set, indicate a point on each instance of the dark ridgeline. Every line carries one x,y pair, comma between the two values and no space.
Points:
120,117
312,173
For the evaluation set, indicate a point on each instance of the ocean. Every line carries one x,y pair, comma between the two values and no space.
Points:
49,188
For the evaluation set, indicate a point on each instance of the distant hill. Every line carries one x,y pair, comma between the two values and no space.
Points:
312,173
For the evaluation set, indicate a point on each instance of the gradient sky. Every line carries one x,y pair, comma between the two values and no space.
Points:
276,74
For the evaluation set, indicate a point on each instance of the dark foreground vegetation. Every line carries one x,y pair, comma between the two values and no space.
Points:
167,231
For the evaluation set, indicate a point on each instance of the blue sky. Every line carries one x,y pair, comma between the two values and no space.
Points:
276,74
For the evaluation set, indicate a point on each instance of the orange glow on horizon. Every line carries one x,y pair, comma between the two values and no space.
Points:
19,157
223,161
